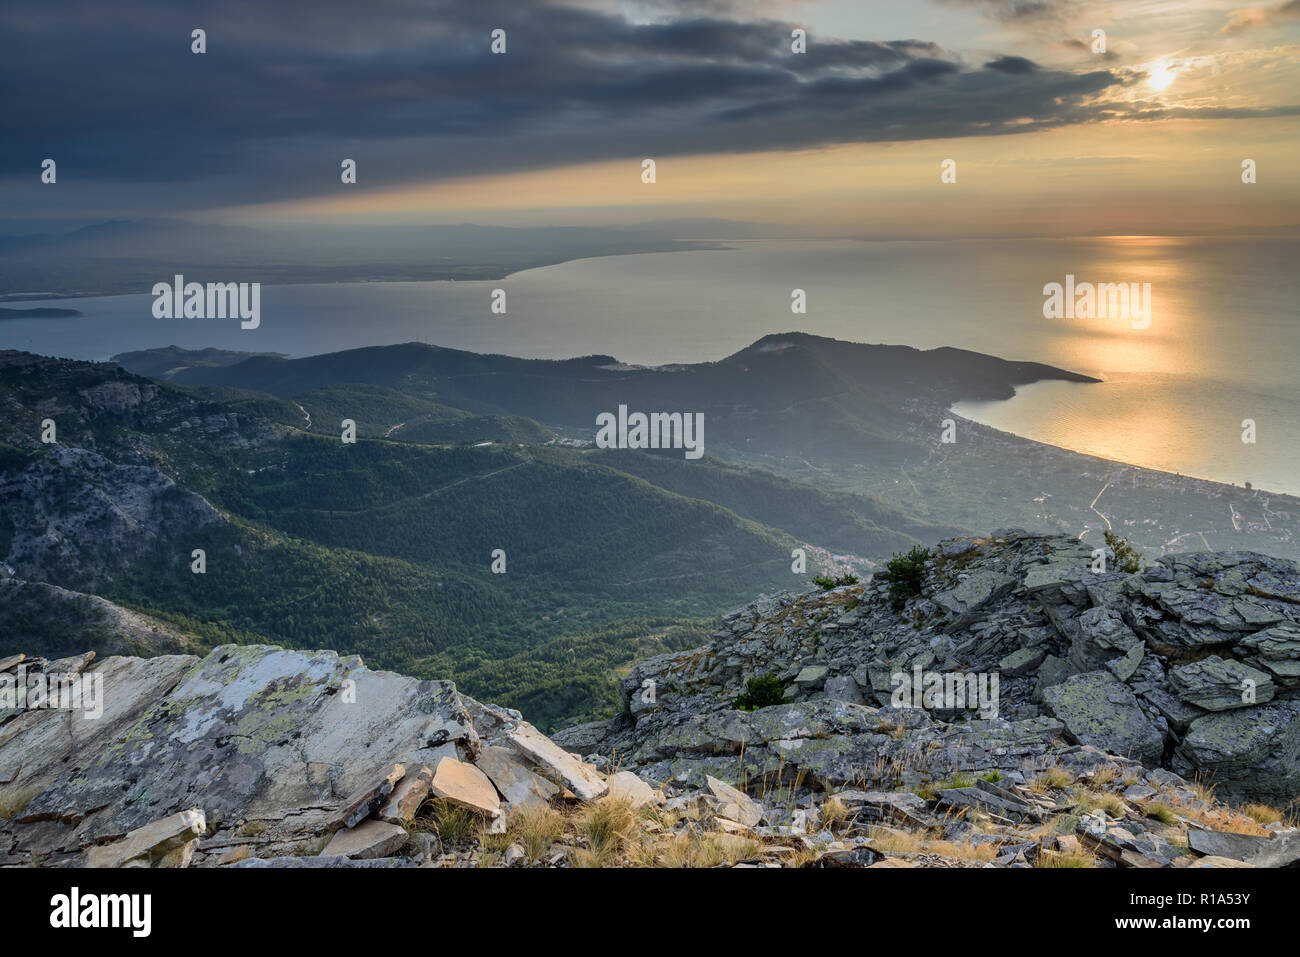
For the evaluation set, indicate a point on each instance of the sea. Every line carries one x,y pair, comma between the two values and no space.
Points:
1206,384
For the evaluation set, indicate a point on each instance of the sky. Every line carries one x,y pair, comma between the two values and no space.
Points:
1046,134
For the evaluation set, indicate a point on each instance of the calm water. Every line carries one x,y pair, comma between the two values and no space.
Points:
1221,347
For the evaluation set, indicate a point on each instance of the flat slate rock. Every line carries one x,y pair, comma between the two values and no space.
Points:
625,785
518,785
332,860
372,796
466,785
733,804
1218,685
556,764
959,798
1281,851
1239,847
369,839
405,801
1215,861
975,591
153,843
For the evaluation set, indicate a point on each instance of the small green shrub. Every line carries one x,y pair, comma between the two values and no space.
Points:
906,573
826,583
1127,558
761,691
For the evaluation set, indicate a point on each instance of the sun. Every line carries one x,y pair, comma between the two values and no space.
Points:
1161,77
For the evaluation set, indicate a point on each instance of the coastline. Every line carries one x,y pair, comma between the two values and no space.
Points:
963,411
301,275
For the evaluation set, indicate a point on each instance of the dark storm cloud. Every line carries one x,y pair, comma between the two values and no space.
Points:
1012,64
412,92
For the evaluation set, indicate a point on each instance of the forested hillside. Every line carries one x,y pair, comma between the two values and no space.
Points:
473,532
386,547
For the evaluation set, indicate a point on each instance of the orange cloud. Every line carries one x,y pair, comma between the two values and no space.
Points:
1248,18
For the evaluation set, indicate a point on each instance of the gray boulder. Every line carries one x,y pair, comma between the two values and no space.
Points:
843,688
1216,684
1278,650
1247,752
282,747
1098,709
972,593
1101,637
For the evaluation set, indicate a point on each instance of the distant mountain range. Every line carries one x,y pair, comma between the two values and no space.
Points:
786,394
838,416
387,547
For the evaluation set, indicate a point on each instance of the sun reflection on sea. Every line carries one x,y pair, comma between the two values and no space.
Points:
1102,346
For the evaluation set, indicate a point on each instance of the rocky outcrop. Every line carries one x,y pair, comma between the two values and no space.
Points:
170,842
1253,751
1188,664
77,515
1021,711
258,748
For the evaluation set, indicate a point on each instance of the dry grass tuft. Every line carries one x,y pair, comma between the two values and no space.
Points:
1053,778
493,844
608,825
962,851
1222,819
1065,859
834,813
706,850
536,828
1262,813
1161,812
929,842
1104,775
450,823
1203,790
1092,801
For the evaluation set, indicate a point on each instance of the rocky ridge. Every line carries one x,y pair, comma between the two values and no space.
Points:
288,753
39,611
1115,689
1191,664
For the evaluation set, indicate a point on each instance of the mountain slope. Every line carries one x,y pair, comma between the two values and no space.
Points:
873,421
787,394
54,622
381,547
